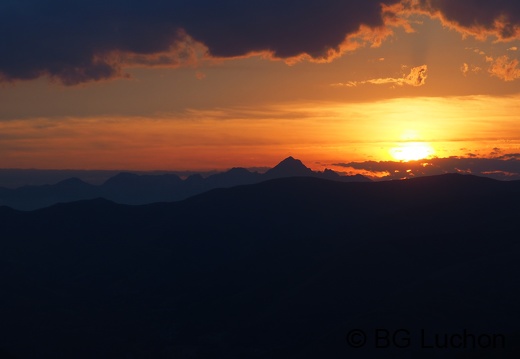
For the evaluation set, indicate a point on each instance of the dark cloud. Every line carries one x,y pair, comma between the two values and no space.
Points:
287,28
73,41
481,18
505,167
77,41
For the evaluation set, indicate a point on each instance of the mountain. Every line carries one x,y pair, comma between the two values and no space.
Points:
233,177
131,188
32,197
289,167
131,180
285,268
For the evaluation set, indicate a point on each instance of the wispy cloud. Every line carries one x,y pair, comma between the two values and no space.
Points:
465,69
502,67
505,68
416,77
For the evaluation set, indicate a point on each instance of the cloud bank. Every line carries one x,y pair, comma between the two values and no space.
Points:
79,41
505,167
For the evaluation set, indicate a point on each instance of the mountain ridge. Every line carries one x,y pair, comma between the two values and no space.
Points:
131,188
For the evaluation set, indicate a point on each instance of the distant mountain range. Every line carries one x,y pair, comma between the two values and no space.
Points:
286,268
129,188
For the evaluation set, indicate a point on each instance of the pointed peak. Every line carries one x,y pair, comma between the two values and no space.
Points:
290,161
328,173
289,167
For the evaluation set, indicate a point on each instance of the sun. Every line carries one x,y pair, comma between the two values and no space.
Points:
411,151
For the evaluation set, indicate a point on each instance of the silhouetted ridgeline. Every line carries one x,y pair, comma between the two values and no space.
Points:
286,268
129,188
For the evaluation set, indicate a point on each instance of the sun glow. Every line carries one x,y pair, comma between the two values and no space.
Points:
412,151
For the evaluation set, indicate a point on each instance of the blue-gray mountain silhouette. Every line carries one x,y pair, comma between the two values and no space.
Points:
285,268
130,188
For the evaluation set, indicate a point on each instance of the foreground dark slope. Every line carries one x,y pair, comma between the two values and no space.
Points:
281,269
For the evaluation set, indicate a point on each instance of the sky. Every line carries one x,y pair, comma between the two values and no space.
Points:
388,88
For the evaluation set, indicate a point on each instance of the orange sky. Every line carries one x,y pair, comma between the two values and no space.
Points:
435,91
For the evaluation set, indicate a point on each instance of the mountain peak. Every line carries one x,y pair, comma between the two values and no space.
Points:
289,159
289,167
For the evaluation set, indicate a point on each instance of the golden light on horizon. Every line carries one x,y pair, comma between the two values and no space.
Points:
412,151
318,133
